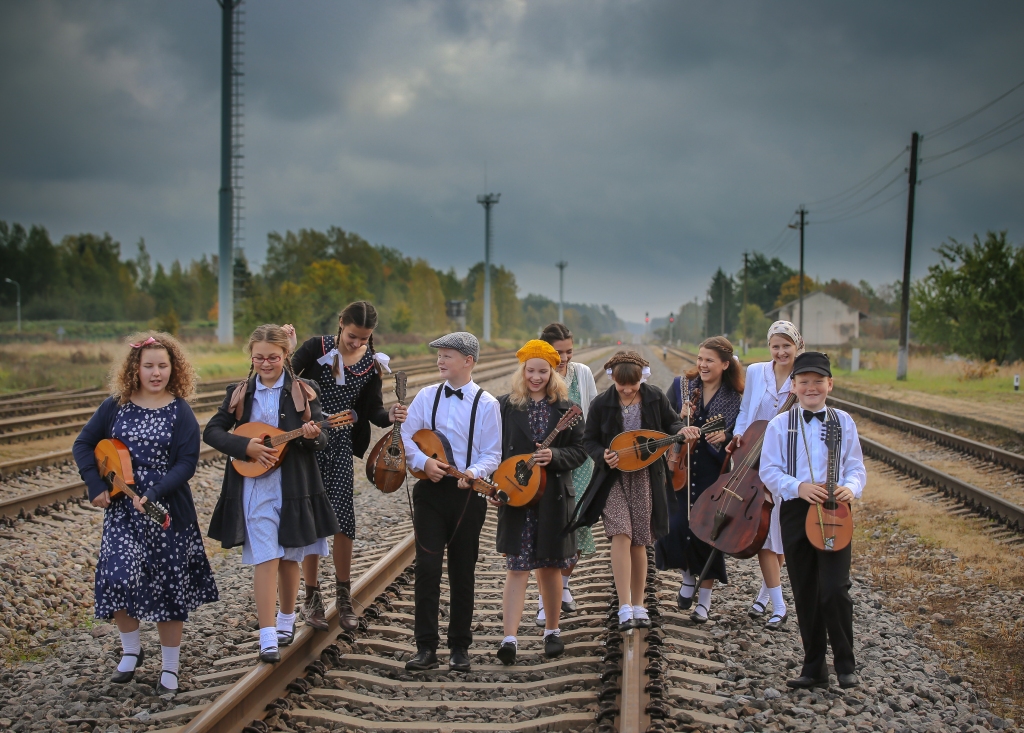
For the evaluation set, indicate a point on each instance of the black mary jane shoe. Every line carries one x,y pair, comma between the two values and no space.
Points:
569,606
683,602
757,609
270,655
160,689
805,682
776,622
507,653
459,661
424,659
846,681
553,646
698,618
285,638
122,678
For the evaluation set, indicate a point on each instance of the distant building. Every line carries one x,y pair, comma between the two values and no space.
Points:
828,321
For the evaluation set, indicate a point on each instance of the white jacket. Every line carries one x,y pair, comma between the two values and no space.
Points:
588,387
760,400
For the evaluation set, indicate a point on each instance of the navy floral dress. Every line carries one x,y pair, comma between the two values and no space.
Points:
152,573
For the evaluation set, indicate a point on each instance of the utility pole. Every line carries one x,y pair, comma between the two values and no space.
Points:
800,286
487,200
561,289
902,354
16,284
746,336
229,111
723,303
696,320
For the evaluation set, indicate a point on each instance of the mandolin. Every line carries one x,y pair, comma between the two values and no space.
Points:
520,477
435,445
273,437
640,448
385,466
829,525
115,465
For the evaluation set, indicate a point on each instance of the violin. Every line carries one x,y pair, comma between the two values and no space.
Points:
679,466
829,525
385,466
520,476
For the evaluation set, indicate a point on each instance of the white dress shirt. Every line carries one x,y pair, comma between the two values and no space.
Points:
773,456
761,401
453,420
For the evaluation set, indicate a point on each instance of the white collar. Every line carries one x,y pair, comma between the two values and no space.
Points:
277,385
468,389
328,359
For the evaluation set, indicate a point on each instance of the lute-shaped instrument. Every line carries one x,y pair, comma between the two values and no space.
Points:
520,477
273,437
829,525
679,456
115,465
435,445
640,448
385,466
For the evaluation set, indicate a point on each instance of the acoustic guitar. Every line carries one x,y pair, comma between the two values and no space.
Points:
273,437
385,466
829,525
435,445
520,477
640,448
115,465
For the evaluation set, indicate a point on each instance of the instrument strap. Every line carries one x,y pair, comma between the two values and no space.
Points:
796,416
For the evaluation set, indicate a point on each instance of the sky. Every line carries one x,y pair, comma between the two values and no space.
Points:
647,143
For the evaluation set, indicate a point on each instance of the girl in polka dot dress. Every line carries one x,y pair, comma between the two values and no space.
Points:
349,373
143,571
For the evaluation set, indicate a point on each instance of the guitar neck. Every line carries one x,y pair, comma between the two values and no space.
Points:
479,485
120,484
297,433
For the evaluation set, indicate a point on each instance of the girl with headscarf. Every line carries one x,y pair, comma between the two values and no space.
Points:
768,387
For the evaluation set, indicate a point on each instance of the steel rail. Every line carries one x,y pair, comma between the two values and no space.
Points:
983,502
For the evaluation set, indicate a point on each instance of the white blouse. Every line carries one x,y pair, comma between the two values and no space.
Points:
588,387
761,401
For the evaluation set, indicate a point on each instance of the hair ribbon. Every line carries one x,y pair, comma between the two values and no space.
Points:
147,342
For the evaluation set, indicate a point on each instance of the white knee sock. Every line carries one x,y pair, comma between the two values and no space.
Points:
778,604
285,621
687,588
170,659
130,644
705,598
268,638
762,595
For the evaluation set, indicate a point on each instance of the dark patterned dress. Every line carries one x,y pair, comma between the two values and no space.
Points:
538,413
152,573
335,461
629,508
679,548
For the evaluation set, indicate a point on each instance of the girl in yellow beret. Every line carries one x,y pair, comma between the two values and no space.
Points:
531,537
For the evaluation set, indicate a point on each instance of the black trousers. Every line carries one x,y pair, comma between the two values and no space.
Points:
445,515
821,589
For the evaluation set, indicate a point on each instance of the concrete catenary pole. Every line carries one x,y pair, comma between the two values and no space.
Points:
225,276
487,200
561,290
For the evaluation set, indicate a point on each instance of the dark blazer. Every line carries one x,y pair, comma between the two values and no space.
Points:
369,405
306,513
604,422
555,507
172,490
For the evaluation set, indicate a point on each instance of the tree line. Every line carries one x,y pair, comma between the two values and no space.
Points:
308,276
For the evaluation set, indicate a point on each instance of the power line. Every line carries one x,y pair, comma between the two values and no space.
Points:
971,160
858,187
862,213
950,125
859,204
1000,128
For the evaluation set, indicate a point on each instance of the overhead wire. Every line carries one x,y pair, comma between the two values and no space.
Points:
970,115
858,187
998,129
855,207
836,220
971,160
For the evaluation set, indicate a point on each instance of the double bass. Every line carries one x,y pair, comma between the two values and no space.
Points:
733,515
385,466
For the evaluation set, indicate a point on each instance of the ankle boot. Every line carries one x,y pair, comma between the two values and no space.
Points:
313,608
346,616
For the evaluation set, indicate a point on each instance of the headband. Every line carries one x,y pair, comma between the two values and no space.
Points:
537,349
147,342
626,357
787,329
645,373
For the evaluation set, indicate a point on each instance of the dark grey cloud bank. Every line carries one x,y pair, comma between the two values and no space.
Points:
646,142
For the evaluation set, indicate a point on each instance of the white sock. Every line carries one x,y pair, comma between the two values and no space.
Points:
130,644
640,612
688,586
268,638
549,632
565,581
778,604
285,621
763,595
510,640
566,593
540,603
540,614
625,613
705,598
170,664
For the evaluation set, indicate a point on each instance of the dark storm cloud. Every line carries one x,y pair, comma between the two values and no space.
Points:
646,142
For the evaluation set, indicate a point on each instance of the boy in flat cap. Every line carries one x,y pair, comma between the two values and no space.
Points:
445,515
794,463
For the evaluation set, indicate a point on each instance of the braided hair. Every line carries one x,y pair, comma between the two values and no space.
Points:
362,314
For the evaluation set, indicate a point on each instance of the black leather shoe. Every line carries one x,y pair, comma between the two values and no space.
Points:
122,678
424,659
568,606
685,603
507,652
846,681
285,638
270,655
756,609
803,682
459,660
700,618
776,622
160,689
553,646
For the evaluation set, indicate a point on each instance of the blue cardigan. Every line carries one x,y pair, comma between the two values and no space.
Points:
172,490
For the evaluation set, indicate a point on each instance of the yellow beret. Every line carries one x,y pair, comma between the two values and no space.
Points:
537,349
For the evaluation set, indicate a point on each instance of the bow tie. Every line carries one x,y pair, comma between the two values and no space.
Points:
808,415
449,392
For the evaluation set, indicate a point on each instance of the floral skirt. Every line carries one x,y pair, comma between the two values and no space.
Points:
526,559
628,508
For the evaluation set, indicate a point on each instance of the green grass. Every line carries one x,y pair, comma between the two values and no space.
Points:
932,381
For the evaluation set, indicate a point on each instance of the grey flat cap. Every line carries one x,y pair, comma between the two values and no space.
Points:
462,341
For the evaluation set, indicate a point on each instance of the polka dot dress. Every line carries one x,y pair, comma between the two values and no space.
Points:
336,460
153,574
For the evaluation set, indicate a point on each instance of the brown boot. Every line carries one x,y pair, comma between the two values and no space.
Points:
346,616
313,608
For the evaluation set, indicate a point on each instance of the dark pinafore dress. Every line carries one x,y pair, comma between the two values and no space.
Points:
154,574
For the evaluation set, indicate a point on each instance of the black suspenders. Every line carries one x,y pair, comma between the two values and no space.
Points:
472,419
